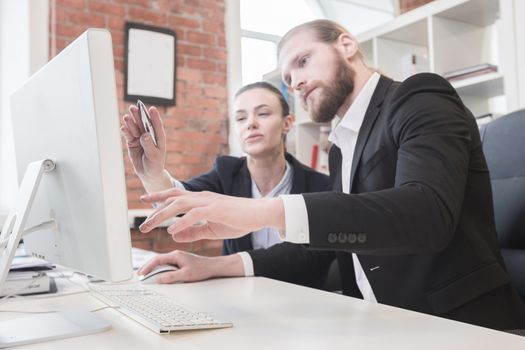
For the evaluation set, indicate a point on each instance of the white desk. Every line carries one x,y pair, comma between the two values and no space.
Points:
268,314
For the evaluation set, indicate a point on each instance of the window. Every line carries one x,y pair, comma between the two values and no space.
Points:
258,58
263,23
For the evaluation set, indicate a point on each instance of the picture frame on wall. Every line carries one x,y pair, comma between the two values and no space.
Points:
150,59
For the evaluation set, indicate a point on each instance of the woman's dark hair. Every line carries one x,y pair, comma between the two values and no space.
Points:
267,86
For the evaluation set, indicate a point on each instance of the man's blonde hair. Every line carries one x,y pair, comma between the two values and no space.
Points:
325,31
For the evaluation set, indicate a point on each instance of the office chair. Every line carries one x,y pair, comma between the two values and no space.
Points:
503,145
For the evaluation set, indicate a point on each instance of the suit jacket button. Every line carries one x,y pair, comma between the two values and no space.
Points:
341,237
332,238
361,238
352,238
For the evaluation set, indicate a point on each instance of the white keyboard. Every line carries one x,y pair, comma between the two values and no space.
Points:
153,310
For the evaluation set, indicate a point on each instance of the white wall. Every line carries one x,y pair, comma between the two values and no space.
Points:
519,11
233,44
23,49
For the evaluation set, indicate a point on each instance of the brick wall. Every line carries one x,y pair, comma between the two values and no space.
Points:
407,5
197,126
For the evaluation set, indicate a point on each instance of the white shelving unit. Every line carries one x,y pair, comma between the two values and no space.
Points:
446,35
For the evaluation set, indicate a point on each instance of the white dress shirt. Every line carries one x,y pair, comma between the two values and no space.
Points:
265,237
343,136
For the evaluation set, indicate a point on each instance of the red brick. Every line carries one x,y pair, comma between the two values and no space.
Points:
106,8
150,17
70,30
87,19
189,50
118,51
134,195
135,183
174,123
60,14
195,90
221,40
221,67
210,26
179,21
71,4
116,24
200,38
211,102
187,74
164,6
117,38
143,3
201,64
215,79
408,5
216,54
216,92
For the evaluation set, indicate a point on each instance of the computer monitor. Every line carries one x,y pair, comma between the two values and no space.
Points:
72,194
67,112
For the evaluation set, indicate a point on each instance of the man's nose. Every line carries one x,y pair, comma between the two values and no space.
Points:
297,80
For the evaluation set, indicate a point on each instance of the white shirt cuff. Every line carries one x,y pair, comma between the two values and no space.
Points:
248,264
295,219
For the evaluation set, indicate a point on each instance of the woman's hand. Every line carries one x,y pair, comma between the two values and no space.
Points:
147,159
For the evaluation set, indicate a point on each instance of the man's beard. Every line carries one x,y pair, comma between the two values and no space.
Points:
334,94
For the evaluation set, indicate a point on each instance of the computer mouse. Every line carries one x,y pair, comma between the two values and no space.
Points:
151,277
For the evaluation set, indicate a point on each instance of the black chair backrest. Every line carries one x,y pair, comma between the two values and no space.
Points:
504,147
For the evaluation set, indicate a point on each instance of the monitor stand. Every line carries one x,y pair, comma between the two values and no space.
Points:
42,327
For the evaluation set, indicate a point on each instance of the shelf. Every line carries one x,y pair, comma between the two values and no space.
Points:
367,48
483,86
274,78
414,33
479,12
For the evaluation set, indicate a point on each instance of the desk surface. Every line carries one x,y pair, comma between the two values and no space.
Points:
268,314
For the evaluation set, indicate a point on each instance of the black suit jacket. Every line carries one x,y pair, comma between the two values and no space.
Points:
420,213
286,261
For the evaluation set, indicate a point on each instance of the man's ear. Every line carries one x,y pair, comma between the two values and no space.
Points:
347,45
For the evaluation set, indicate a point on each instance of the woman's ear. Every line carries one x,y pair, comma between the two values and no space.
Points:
288,122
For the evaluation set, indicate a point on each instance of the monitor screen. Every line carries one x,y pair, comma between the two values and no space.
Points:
68,112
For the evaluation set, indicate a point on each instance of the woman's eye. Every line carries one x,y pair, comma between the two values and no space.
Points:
264,114
240,119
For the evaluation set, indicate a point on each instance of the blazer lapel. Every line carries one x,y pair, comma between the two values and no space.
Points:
244,189
299,175
368,122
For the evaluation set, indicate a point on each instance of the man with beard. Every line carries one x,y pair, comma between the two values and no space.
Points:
411,214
